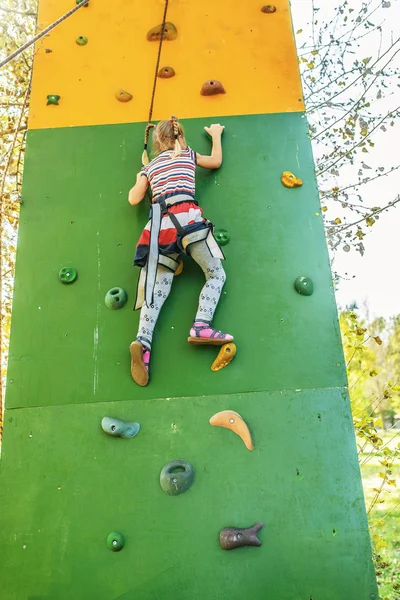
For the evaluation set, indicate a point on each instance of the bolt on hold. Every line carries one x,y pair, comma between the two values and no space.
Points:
123,96
170,32
268,9
212,87
53,99
166,72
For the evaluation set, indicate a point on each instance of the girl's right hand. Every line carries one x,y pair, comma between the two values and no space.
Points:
215,129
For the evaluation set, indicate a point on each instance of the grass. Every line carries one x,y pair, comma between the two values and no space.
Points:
384,519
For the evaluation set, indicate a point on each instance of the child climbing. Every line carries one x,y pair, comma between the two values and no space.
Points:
176,226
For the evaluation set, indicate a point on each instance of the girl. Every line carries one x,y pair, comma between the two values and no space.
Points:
176,226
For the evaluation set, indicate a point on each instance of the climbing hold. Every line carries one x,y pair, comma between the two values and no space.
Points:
53,99
170,32
212,87
79,1
176,477
179,268
166,72
225,355
229,419
304,286
123,96
222,237
268,8
81,40
116,298
290,181
233,537
118,428
67,275
115,541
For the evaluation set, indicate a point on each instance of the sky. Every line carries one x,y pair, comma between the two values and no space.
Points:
372,279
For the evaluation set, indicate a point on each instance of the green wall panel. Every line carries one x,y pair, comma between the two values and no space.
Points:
302,481
67,347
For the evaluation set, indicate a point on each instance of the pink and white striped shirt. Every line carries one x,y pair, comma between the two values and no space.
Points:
169,176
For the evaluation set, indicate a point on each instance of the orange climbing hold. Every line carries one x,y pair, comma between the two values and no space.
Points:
123,96
212,87
290,181
170,32
166,72
268,8
225,355
179,268
229,419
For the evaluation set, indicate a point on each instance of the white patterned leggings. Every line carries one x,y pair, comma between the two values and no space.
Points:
209,295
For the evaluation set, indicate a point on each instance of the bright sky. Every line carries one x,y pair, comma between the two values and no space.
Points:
377,273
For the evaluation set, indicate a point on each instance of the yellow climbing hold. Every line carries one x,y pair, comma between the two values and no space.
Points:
170,32
123,96
229,419
225,355
290,181
179,268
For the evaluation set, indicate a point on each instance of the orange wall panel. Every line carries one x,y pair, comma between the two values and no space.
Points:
250,52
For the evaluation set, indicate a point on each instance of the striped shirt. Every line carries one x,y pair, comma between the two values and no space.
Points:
169,176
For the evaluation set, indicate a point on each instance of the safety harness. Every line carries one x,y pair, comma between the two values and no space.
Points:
148,273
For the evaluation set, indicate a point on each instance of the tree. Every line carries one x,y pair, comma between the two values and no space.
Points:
350,81
18,25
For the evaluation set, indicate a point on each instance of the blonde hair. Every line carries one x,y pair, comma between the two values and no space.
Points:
165,136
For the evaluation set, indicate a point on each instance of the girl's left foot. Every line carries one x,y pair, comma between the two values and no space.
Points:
140,361
202,333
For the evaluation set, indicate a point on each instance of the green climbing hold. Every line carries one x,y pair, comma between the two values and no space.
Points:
115,541
68,275
53,99
304,286
118,428
81,40
79,2
222,237
116,298
176,477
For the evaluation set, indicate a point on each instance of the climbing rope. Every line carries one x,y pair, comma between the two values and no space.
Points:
158,61
145,158
42,33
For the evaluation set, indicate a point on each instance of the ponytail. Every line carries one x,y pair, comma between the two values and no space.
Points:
145,156
175,128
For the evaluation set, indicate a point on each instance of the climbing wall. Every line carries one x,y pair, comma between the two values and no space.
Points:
66,484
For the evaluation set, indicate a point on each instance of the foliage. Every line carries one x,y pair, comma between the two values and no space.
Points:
375,394
18,25
352,104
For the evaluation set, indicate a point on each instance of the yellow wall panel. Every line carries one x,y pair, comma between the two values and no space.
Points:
250,52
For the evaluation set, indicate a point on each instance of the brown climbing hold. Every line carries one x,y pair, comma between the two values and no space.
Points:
290,181
123,96
229,419
170,32
268,8
166,72
233,537
212,87
224,357
179,268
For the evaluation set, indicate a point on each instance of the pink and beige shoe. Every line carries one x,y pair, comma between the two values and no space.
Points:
202,333
140,362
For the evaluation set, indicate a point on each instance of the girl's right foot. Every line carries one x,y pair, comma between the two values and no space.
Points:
202,333
140,361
